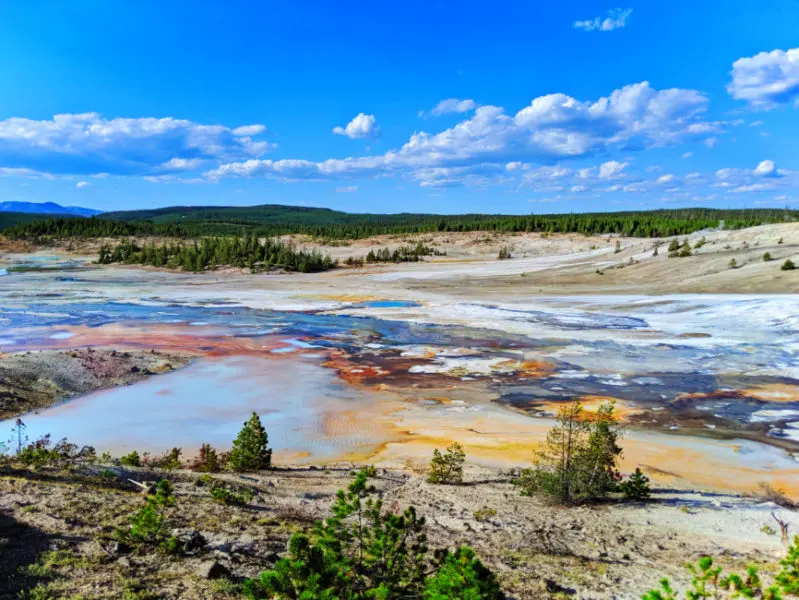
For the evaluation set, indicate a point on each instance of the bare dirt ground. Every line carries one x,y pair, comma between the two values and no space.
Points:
554,263
602,552
577,264
31,380
539,551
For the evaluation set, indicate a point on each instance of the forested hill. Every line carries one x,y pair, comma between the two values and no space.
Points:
270,220
10,219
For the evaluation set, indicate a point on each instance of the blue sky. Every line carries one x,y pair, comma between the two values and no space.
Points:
512,107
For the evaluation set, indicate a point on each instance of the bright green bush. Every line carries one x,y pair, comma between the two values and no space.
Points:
708,581
131,460
362,552
461,575
788,577
147,525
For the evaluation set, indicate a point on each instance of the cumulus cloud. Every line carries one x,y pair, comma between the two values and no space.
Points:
362,126
453,105
82,184
615,19
766,168
611,169
766,80
88,144
551,128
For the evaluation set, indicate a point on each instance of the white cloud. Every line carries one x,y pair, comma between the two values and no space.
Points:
579,188
182,164
615,19
453,105
711,141
82,184
611,169
362,126
766,80
766,168
347,189
755,123
551,128
89,144
668,178
754,187
688,155
249,130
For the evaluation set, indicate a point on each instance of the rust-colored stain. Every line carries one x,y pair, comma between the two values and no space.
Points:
774,392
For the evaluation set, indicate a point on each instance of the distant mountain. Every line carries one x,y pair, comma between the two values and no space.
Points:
47,208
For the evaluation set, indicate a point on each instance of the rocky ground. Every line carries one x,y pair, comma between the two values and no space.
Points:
31,380
56,532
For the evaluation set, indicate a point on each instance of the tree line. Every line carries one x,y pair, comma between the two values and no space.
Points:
209,253
334,225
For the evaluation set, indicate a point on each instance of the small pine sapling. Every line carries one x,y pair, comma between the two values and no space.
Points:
636,487
447,467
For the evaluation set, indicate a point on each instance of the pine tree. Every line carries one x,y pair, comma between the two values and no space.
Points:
636,487
577,462
251,450
447,467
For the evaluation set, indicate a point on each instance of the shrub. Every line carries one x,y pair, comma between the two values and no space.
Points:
462,575
447,468
788,577
767,257
788,265
38,453
685,250
674,246
147,524
251,448
225,496
483,514
708,582
733,264
577,462
363,552
504,253
208,461
168,461
131,460
636,487
617,248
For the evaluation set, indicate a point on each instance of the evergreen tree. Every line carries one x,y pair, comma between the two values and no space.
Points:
447,467
636,487
251,450
577,462
363,552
